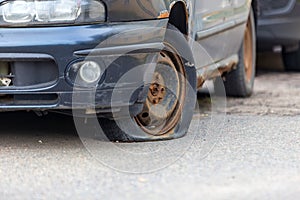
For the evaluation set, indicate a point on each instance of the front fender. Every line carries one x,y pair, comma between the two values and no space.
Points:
134,10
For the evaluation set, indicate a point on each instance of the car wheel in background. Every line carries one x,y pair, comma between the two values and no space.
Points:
240,81
291,60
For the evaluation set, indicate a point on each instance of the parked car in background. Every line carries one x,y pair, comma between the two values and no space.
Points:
279,29
52,50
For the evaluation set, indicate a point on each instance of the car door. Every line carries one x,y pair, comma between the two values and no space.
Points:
208,21
208,14
241,10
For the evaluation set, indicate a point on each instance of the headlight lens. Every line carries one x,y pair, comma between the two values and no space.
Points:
67,10
44,12
17,12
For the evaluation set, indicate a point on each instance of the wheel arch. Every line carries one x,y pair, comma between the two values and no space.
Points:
179,16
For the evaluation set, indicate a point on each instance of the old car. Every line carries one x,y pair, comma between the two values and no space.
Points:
74,54
278,29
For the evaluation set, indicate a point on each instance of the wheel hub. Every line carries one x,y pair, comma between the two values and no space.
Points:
162,109
157,90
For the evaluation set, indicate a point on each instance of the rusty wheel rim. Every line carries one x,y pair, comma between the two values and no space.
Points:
163,106
248,51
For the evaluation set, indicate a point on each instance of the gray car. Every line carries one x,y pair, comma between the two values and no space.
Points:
279,29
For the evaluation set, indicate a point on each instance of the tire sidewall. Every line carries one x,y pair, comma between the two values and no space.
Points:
179,43
249,84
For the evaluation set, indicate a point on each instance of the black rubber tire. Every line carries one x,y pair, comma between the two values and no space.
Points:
235,82
111,127
291,60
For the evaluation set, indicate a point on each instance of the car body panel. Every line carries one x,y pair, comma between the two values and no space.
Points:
62,44
130,24
227,22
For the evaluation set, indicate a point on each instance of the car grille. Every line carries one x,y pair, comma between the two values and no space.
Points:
23,74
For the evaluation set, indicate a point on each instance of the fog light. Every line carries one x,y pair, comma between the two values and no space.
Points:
90,72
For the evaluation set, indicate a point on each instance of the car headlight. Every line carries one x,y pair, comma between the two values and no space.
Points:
44,12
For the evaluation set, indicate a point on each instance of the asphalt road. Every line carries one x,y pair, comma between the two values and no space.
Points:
251,153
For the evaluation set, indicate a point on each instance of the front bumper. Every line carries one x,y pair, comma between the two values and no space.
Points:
279,26
40,58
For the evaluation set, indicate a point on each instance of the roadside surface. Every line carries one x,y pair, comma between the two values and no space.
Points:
276,93
256,155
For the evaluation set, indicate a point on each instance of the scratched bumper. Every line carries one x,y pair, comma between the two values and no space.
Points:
42,56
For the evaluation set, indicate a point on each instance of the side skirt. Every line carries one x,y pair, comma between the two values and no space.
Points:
216,69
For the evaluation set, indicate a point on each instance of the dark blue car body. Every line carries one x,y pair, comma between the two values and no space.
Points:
40,58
